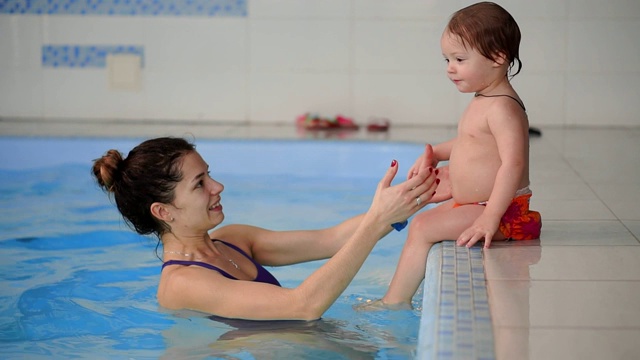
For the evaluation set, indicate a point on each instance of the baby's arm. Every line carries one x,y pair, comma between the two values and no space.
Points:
508,129
441,152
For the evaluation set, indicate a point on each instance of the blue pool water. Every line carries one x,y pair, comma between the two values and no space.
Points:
76,282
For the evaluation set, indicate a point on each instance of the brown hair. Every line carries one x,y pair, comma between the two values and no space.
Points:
489,29
149,174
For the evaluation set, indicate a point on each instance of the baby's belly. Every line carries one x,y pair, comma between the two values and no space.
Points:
471,183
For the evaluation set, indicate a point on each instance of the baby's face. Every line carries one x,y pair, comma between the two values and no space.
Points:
466,67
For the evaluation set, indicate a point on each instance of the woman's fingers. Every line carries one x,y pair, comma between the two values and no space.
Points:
421,183
390,174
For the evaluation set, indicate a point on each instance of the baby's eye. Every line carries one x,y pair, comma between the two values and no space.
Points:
446,60
459,60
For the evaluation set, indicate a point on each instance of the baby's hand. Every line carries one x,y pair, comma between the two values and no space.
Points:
430,160
482,228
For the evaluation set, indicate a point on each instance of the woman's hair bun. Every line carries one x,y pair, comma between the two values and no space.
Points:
106,169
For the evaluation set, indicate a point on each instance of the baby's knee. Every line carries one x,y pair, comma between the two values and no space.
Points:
420,223
420,231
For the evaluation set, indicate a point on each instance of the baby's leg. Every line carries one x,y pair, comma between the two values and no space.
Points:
441,223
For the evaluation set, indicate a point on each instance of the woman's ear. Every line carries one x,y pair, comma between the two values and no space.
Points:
160,212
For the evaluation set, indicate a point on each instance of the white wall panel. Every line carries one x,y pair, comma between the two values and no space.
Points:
281,97
20,41
599,9
603,99
405,9
397,46
193,95
84,94
21,93
201,44
543,47
299,9
603,46
544,97
357,57
294,45
407,98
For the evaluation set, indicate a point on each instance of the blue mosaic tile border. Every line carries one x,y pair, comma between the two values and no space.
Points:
231,8
85,56
456,320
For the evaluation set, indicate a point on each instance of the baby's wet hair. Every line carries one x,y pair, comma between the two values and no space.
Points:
489,29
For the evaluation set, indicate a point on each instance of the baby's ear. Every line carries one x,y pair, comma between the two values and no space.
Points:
500,59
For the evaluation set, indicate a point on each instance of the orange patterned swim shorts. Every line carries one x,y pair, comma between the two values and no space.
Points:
518,222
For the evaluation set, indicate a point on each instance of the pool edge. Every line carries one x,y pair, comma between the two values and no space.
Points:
456,320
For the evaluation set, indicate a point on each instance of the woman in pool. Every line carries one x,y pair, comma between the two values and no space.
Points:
163,188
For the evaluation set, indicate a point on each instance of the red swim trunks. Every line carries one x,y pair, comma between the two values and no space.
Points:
518,222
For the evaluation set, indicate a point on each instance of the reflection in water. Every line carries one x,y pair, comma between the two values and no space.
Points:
510,305
197,336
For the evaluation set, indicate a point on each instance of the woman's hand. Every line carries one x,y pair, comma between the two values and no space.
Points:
443,191
397,203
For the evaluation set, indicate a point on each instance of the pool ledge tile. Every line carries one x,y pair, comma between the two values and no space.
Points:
456,320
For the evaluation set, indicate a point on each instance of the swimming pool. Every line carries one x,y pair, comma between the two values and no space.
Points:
76,282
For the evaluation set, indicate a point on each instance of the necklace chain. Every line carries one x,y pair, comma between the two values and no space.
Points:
498,95
187,255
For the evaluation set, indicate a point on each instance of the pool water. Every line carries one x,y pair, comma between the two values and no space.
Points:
76,282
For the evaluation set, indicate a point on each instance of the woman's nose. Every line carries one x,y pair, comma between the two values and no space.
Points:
216,187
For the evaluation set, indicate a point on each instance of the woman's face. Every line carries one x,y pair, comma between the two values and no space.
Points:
196,206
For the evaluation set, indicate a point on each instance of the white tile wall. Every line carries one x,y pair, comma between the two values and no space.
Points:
597,9
405,98
603,46
20,39
21,93
197,44
193,95
603,99
299,9
84,93
356,57
543,94
399,46
280,97
299,45
405,10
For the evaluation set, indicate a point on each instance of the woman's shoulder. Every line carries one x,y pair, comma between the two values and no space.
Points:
237,233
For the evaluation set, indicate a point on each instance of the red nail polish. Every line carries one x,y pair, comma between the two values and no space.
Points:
430,170
393,163
437,181
437,171
433,193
